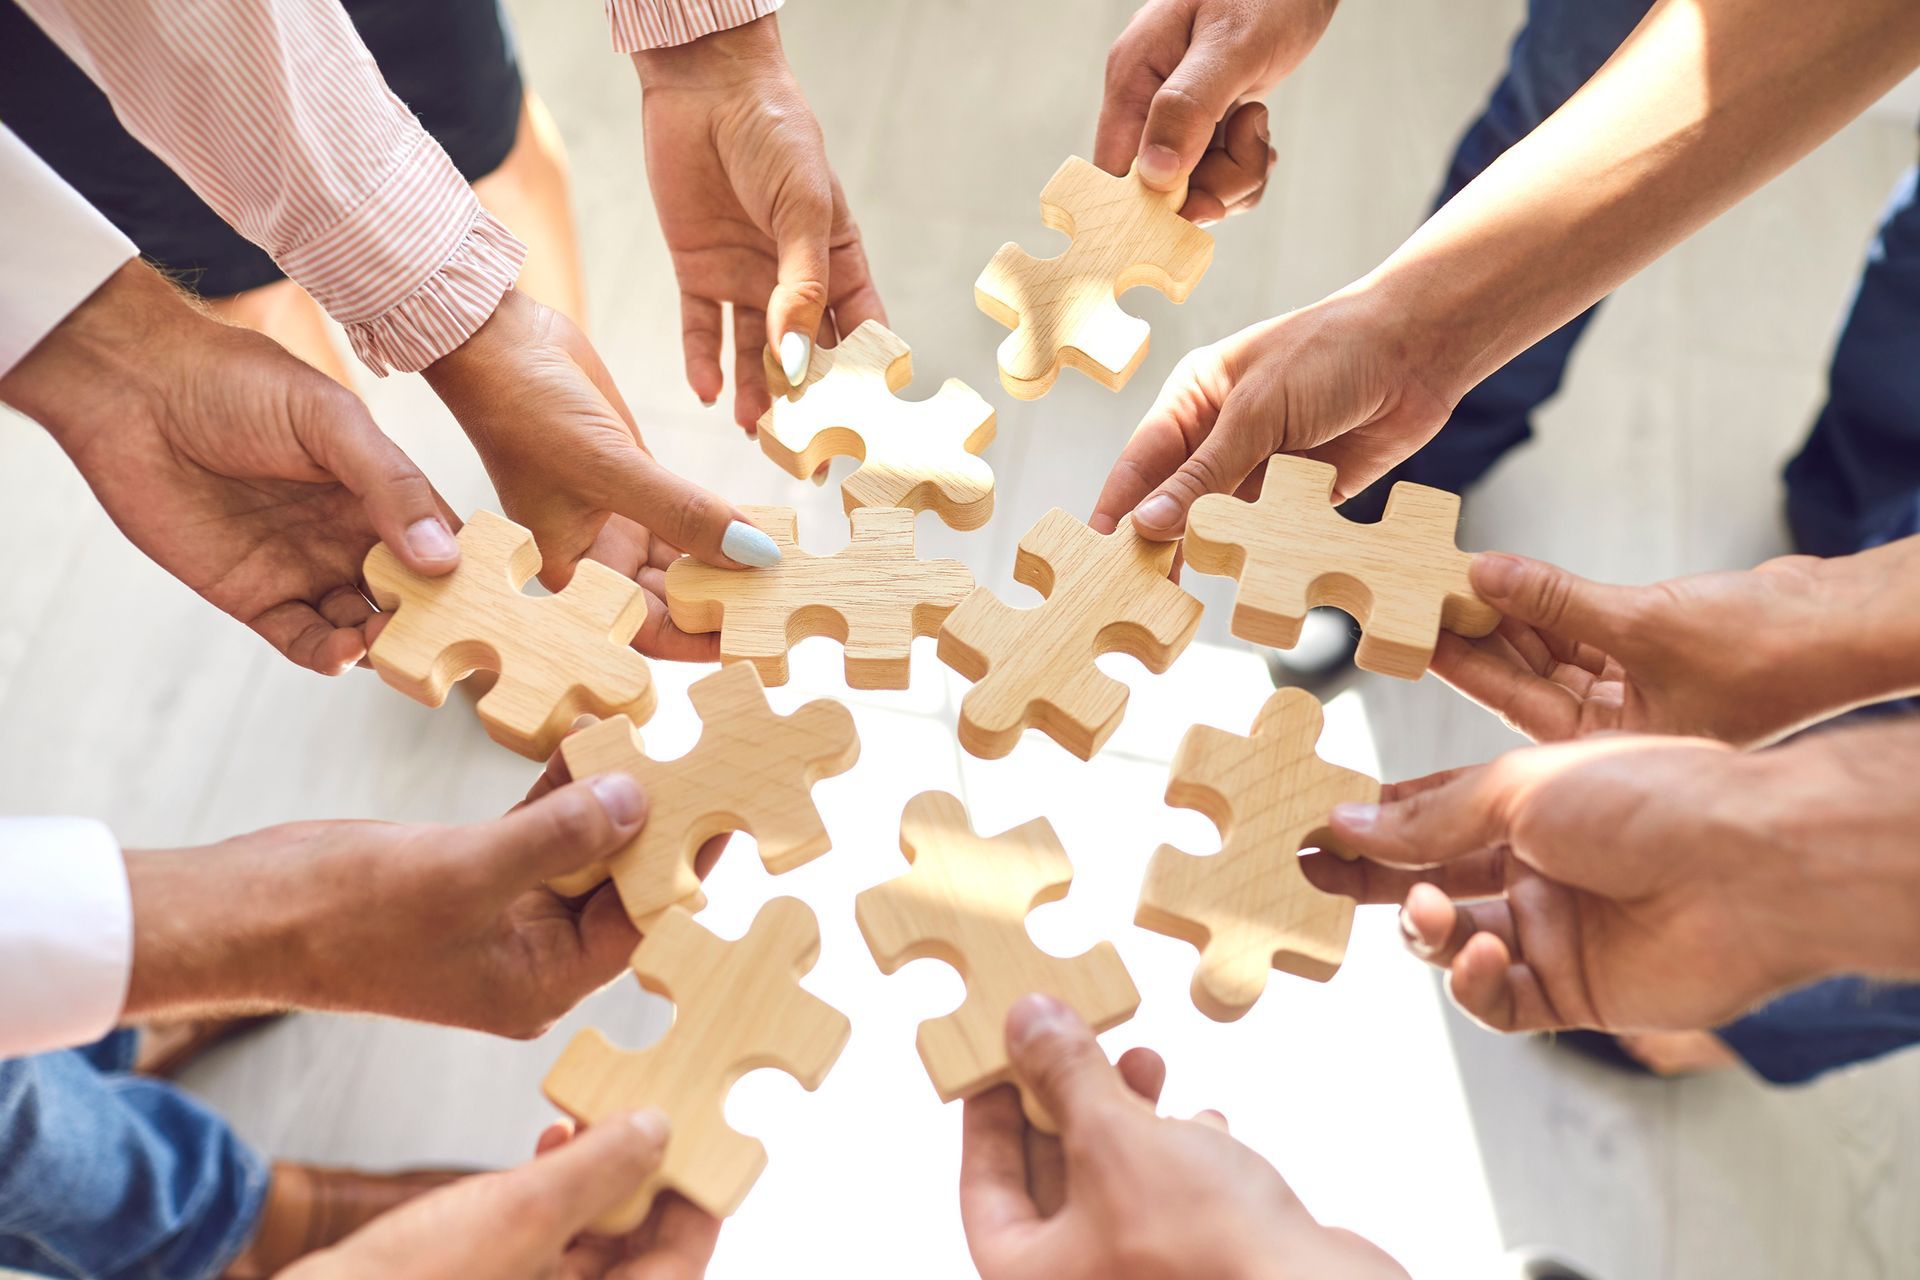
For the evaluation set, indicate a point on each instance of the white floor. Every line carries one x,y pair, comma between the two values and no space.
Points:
122,696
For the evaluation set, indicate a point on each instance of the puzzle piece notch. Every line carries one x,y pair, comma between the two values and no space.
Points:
751,770
559,657
873,596
921,455
1402,579
965,902
1034,667
738,1007
1065,309
1250,908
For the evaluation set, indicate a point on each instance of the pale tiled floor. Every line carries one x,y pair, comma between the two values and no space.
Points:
122,696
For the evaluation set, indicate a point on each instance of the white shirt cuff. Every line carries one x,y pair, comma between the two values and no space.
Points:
57,250
66,933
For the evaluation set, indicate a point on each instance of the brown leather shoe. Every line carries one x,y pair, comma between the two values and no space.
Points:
309,1208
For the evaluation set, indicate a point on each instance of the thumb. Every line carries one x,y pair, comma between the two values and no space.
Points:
802,227
1226,456
1463,815
688,516
1546,596
1187,108
400,502
1055,1055
565,830
560,1193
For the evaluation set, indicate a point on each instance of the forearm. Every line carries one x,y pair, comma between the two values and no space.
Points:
1704,102
1873,643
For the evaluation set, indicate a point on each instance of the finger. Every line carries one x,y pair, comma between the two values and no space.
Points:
710,853
1473,876
803,216
993,1165
1212,1119
1184,111
1233,173
1549,597
558,1194
683,1240
1136,67
700,339
634,485
400,503
557,1134
570,828
1183,413
556,773
658,637
1541,709
1223,459
853,296
1491,988
607,936
1460,817
1145,1072
1055,1055
1435,927
308,640
750,395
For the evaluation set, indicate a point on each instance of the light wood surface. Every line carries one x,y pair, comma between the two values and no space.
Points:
965,903
918,454
1249,907
873,596
1402,579
1034,667
750,771
738,1006
559,657
1065,310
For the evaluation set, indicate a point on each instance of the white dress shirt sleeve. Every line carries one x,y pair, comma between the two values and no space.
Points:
56,251
66,933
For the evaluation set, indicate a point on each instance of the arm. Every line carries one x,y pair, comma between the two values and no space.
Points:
1703,103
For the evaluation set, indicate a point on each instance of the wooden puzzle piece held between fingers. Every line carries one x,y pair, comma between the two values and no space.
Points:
874,596
1065,310
1250,908
737,1007
1034,667
1402,579
559,657
751,770
916,454
965,902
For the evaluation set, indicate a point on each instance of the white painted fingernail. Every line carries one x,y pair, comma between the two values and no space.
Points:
744,544
796,350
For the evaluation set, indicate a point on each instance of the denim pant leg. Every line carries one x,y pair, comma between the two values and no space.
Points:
1856,483
117,1177
1831,1024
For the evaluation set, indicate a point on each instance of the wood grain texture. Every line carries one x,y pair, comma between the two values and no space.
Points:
873,596
922,455
1065,310
1402,579
559,657
1249,908
965,903
751,770
738,1006
1034,667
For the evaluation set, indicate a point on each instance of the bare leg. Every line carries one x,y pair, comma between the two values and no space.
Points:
530,192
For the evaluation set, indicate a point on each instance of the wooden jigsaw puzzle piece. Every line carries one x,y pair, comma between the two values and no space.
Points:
1250,908
964,902
558,657
738,1007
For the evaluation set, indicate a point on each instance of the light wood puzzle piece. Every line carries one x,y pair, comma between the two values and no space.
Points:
1035,667
965,902
559,657
914,454
1402,579
1249,908
874,596
1065,310
737,1007
751,770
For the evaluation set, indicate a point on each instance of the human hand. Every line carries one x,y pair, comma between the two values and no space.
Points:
531,1221
247,474
752,212
1143,1196
1332,381
1177,88
1745,657
568,462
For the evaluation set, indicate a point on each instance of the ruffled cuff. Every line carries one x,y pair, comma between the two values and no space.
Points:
415,270
655,24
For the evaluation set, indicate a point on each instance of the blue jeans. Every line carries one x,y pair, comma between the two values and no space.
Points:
1854,485
111,1175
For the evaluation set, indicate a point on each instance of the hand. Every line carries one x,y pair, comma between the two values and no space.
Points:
529,1221
751,210
242,471
1178,80
1333,381
567,460
1144,1196
1743,657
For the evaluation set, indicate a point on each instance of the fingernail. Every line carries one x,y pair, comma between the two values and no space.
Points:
796,350
429,540
744,544
1357,818
651,1123
708,404
1495,574
1409,934
619,795
1157,512
1159,165
1034,1017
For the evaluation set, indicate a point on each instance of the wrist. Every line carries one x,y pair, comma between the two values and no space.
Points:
721,57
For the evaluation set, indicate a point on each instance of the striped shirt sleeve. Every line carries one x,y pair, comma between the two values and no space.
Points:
655,24
276,115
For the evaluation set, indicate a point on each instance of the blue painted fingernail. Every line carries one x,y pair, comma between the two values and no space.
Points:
744,544
796,351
